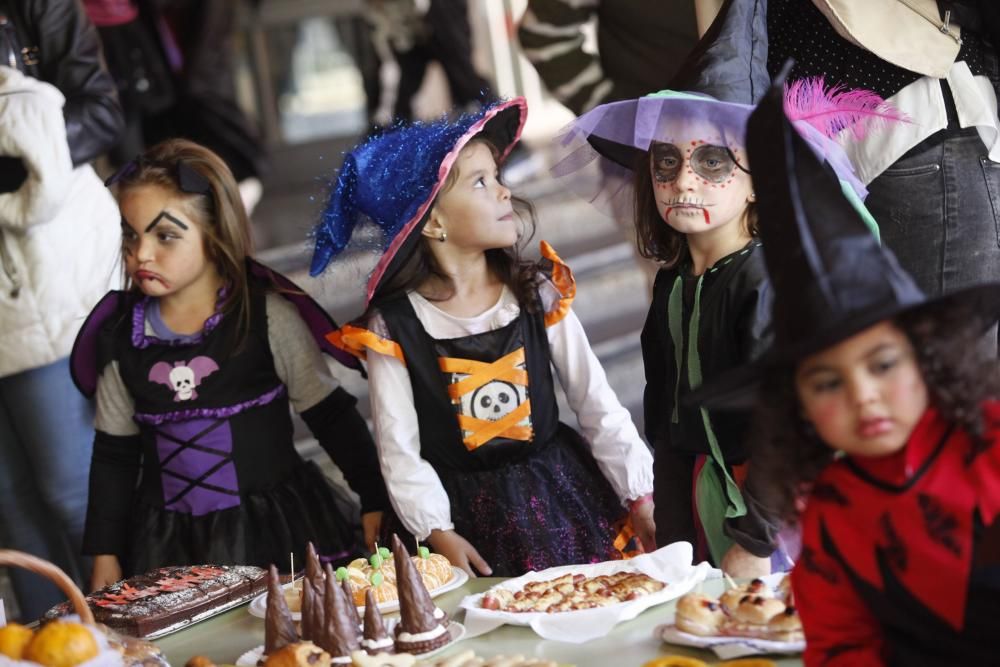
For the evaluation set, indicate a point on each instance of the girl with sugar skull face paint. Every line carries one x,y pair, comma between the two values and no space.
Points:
676,163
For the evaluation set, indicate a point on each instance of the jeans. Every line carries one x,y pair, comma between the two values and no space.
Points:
46,438
938,209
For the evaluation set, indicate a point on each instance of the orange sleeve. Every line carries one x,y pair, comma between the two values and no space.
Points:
562,278
357,341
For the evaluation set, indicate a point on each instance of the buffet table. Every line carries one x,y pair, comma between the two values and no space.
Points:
630,644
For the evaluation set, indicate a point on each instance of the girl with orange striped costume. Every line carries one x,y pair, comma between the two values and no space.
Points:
460,335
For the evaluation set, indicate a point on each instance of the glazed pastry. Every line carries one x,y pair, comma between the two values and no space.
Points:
786,626
699,615
752,615
302,654
757,588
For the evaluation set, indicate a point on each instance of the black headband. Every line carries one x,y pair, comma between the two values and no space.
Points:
189,180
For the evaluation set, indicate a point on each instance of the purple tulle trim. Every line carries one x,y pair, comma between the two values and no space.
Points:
203,413
142,341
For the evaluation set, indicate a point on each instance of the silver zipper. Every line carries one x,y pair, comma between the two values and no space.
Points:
7,262
944,27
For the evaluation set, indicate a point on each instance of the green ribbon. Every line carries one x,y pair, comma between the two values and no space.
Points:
716,494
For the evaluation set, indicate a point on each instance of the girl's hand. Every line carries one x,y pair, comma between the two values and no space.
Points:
107,570
738,562
457,549
641,514
371,524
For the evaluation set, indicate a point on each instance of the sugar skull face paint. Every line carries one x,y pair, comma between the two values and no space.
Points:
700,180
714,164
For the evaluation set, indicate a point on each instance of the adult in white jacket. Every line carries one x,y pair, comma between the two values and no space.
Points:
59,239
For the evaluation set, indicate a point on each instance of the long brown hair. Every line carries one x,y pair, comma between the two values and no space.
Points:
654,238
959,373
219,214
506,264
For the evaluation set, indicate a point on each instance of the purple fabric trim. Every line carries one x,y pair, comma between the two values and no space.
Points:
142,341
319,322
202,413
83,358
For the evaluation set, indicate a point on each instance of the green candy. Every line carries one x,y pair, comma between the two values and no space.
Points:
377,578
384,553
341,573
376,561
424,552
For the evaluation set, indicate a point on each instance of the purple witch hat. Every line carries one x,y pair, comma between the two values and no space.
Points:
615,137
393,178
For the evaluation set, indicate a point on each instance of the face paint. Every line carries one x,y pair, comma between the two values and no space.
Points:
714,164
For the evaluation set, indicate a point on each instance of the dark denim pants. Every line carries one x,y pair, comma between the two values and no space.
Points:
46,439
938,208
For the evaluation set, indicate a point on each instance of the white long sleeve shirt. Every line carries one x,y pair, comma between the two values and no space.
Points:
415,490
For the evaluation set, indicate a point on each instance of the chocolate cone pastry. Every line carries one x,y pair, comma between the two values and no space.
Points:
421,626
306,610
349,592
279,628
314,571
340,635
376,639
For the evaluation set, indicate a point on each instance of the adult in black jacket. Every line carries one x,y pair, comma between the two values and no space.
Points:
57,43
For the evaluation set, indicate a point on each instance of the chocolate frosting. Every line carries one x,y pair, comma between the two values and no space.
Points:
279,629
313,616
341,635
308,601
416,610
349,592
374,627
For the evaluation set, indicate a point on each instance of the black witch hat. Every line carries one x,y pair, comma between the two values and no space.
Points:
831,277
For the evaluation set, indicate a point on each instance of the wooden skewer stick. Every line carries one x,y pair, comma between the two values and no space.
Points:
729,580
291,565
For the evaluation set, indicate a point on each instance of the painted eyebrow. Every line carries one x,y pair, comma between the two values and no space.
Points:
164,214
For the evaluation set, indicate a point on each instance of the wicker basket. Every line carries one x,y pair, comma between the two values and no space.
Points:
11,558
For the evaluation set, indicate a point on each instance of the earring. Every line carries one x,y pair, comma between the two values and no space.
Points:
753,197
443,237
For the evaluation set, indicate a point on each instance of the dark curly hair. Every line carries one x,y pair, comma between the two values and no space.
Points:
654,238
960,373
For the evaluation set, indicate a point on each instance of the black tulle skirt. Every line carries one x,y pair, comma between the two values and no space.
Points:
553,507
265,528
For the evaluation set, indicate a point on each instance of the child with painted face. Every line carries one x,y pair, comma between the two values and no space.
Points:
194,367
460,336
676,163
877,428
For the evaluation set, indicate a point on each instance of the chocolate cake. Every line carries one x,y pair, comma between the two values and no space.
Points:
166,599
376,640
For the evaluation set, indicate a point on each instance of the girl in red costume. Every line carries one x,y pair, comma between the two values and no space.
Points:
879,431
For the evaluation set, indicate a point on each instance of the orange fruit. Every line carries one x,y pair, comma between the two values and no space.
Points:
675,661
61,644
13,639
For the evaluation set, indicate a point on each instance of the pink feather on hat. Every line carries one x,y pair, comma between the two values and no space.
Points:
832,110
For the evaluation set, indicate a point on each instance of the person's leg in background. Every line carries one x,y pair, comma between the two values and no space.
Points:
46,435
412,67
451,44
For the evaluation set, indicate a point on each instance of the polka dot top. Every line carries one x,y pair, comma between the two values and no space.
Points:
797,29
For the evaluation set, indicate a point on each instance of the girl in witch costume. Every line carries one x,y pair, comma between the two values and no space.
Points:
676,163
460,336
194,367
879,412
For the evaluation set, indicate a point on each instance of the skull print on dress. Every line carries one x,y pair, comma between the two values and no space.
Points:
183,377
495,400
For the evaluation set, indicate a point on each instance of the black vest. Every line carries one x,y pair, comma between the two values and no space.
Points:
441,439
210,404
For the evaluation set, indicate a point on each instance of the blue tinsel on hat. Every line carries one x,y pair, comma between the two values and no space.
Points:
392,178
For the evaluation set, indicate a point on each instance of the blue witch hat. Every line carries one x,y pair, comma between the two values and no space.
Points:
393,178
